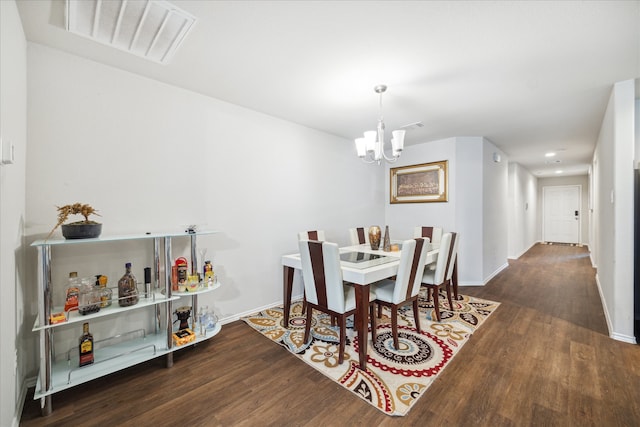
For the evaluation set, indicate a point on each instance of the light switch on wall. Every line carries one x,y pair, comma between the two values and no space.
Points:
7,149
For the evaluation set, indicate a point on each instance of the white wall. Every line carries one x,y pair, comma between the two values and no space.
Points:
523,227
583,182
13,130
153,157
495,191
613,211
403,217
477,205
469,212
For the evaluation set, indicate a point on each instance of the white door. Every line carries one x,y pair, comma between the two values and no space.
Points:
561,220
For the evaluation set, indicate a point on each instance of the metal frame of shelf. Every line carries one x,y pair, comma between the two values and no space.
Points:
57,375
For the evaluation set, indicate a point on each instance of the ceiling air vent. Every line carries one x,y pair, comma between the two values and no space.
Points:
152,29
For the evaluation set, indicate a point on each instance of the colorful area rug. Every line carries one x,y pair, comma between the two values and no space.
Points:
394,379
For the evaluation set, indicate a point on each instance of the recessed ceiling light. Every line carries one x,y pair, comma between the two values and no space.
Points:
558,171
550,154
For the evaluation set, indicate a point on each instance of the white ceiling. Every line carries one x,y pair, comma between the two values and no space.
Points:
531,76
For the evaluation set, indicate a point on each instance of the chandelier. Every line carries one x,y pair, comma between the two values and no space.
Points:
370,148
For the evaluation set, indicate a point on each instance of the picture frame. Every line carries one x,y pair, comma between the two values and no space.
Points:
422,183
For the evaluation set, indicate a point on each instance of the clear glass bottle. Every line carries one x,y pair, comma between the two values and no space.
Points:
85,347
89,301
127,288
105,293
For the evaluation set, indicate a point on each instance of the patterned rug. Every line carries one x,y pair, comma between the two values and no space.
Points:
394,379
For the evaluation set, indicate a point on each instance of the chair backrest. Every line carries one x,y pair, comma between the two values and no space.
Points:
433,233
410,269
453,254
322,274
359,235
312,235
439,275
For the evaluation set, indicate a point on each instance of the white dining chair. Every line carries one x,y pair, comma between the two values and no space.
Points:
359,235
441,276
312,235
324,287
433,233
405,288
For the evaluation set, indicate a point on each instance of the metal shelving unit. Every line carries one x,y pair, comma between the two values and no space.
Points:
124,350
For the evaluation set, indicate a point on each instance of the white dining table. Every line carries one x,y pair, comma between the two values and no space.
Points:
361,273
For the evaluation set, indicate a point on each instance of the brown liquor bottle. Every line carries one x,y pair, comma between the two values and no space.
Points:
86,346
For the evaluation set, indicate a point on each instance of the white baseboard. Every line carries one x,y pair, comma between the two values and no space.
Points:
238,316
604,304
624,338
614,335
524,251
487,279
22,397
495,273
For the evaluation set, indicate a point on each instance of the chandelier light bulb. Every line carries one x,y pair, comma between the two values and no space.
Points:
371,148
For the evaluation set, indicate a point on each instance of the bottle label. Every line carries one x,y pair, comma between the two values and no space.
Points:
86,352
86,346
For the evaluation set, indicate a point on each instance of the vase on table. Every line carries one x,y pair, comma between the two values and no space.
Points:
374,237
386,246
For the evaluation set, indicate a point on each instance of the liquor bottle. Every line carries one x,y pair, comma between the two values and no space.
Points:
127,288
208,273
105,293
73,292
147,282
86,346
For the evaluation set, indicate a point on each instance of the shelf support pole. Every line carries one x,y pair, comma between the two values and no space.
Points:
168,305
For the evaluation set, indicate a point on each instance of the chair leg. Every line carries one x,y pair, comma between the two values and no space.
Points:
449,295
416,314
373,323
304,301
394,325
343,332
307,327
379,311
436,302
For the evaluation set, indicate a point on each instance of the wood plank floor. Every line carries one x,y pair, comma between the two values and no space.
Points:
543,358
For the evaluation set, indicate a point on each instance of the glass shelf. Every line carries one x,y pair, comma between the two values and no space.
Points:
66,373
74,316
54,242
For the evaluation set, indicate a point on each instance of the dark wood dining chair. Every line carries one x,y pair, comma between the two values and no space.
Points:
359,235
324,287
405,288
441,276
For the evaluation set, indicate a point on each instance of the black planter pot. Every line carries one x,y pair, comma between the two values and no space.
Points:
81,231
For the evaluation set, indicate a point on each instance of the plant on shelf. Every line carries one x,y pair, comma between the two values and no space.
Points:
85,229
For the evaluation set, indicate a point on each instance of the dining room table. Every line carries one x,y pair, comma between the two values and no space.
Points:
361,266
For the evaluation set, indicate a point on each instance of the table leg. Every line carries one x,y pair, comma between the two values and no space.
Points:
288,289
361,321
454,279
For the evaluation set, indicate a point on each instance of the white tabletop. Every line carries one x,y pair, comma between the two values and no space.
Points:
363,276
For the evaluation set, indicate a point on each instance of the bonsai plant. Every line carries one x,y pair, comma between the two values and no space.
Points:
80,229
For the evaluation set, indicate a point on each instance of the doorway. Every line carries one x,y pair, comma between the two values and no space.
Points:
561,214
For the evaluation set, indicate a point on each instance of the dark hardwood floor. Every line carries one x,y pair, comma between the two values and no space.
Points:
543,358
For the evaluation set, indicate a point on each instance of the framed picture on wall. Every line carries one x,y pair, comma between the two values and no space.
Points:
422,183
